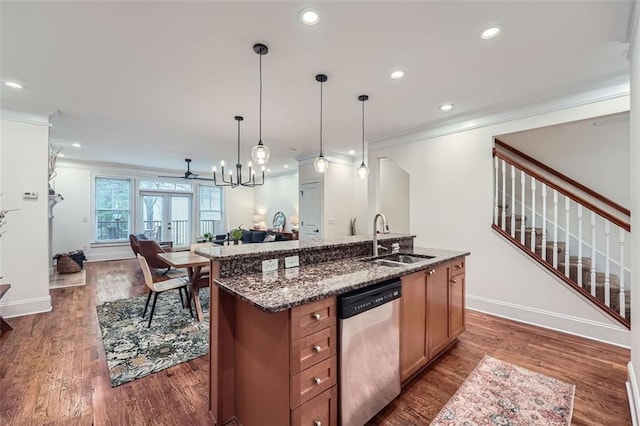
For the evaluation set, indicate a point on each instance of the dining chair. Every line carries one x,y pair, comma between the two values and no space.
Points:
179,283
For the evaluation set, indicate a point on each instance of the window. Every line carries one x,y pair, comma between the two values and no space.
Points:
113,209
210,211
167,186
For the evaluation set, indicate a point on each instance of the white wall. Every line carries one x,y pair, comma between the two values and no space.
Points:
451,207
594,155
24,246
635,208
395,195
279,193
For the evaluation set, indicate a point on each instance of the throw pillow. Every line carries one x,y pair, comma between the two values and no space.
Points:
269,238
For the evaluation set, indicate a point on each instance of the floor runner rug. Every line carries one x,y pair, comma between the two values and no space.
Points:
134,351
499,393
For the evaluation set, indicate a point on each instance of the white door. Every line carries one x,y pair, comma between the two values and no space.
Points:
311,210
167,217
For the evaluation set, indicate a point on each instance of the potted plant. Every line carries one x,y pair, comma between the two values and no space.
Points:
208,237
236,234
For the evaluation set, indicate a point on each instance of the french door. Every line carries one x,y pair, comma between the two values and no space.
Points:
166,217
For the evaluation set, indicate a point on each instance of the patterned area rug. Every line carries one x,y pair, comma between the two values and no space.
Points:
499,393
134,351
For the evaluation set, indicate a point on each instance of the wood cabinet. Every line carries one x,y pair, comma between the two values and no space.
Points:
432,314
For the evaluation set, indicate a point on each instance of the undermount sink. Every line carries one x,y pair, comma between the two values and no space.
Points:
396,260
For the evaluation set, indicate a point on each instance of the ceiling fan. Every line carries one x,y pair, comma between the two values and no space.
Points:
188,174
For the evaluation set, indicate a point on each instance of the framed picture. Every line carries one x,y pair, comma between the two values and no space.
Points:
279,220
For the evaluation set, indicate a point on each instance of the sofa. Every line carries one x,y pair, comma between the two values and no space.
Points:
257,236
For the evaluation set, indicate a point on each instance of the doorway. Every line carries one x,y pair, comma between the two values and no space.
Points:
166,217
311,210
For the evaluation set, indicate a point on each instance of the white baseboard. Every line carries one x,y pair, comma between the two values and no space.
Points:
19,308
602,332
634,395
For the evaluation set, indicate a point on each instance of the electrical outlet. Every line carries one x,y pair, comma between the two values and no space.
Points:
269,265
30,195
291,262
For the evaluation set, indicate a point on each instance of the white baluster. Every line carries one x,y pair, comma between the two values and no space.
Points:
497,202
522,205
504,196
623,310
513,201
593,254
607,261
533,214
544,221
580,245
555,228
567,257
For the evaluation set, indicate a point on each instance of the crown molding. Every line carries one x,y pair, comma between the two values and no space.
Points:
25,117
618,86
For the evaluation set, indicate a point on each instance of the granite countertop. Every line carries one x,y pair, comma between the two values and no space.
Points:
285,288
282,247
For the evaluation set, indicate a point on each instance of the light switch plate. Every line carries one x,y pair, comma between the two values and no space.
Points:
269,265
291,262
30,195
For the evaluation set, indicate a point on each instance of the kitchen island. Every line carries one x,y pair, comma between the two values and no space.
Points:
273,335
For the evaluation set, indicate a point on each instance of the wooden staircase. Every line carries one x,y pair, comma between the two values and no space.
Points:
595,292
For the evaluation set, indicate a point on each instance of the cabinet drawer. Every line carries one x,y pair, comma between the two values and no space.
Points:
312,317
312,349
320,411
458,266
312,381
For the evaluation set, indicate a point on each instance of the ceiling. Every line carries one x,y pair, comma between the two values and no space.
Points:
152,83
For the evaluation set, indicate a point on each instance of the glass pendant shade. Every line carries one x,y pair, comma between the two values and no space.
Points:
363,171
321,164
260,154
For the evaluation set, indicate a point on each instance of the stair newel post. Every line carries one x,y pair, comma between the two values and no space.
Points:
497,194
503,223
522,206
580,245
533,214
544,221
593,254
513,201
607,261
555,229
567,257
623,302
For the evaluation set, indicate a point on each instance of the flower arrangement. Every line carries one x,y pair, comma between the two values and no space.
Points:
236,234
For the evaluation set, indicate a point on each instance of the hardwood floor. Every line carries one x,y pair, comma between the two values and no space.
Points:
53,369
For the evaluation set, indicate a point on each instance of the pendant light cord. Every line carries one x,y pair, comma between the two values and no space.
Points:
362,132
238,142
321,84
260,115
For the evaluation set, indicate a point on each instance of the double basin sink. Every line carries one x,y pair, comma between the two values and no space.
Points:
397,260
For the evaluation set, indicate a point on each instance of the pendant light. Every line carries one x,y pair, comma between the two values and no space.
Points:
251,180
260,153
363,171
321,164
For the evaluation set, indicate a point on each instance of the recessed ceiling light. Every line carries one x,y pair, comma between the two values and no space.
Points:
446,107
352,151
397,74
309,16
76,145
13,84
60,154
286,166
490,33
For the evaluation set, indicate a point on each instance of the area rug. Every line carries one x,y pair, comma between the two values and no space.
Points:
499,393
134,351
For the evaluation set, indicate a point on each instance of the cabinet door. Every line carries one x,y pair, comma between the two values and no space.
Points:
456,305
438,309
413,323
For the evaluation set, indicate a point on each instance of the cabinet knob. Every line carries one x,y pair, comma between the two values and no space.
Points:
317,380
317,423
454,281
459,266
316,316
431,271
317,348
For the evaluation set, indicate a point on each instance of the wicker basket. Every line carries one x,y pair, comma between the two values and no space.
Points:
66,265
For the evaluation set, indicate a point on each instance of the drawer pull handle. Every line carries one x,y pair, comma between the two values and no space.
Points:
317,348
317,380
459,266
317,423
454,281
316,316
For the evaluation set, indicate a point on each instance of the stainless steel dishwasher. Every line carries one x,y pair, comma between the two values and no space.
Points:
369,351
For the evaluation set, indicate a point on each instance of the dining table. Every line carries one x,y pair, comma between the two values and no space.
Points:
194,264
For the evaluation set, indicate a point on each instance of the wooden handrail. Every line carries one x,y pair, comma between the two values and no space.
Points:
565,178
621,223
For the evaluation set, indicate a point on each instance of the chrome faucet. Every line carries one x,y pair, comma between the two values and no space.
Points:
385,230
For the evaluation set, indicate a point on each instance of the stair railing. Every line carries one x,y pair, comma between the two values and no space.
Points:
591,208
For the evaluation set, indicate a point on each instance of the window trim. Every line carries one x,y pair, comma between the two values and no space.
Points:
94,223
